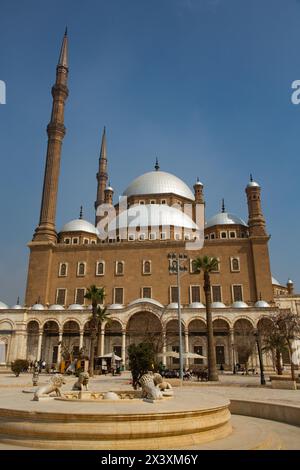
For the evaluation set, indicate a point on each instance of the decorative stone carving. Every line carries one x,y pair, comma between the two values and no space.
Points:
160,383
149,390
82,381
54,385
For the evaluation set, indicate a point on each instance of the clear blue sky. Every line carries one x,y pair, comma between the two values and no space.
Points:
205,85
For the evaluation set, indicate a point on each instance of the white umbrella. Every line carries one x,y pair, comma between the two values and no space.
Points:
112,356
169,354
190,355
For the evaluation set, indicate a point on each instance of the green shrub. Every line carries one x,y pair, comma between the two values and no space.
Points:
18,366
141,360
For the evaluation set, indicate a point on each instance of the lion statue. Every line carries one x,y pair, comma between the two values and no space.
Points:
53,385
160,383
82,381
149,390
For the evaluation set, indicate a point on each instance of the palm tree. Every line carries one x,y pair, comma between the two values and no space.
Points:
96,295
208,264
273,341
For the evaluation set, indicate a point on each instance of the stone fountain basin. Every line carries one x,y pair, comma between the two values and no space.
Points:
111,396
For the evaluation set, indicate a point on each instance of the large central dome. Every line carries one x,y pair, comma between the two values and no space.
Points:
158,182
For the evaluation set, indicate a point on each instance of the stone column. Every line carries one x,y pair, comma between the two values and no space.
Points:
102,341
81,332
60,335
164,348
186,342
39,351
124,347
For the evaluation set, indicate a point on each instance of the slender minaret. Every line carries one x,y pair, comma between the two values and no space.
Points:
101,176
56,132
256,221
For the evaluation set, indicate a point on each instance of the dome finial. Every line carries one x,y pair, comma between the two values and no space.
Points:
156,165
18,300
251,177
223,206
80,213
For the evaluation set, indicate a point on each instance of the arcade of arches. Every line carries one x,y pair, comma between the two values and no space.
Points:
51,341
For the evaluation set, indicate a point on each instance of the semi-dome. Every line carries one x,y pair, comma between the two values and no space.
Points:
261,304
56,307
38,307
225,218
275,282
3,306
158,182
17,307
217,305
239,304
146,299
196,305
151,215
75,307
80,225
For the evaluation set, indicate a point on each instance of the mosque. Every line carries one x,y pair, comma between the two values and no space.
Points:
161,216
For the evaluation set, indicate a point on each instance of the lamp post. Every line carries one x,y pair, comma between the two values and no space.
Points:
176,267
261,365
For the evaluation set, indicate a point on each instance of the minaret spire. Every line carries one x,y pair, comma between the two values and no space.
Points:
156,165
56,132
101,176
223,205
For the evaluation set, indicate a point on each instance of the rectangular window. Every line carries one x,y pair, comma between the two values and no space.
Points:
119,295
142,236
212,236
216,293
237,293
147,292
217,270
119,268
75,241
174,294
232,234
86,241
223,234
152,236
131,237
61,296
152,201
163,201
79,296
63,269
67,241
195,294
81,268
142,203
163,236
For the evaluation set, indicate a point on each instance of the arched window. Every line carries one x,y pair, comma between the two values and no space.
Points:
100,268
81,269
235,264
63,267
147,267
120,268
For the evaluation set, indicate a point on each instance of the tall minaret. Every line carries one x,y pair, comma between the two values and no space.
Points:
256,221
56,132
101,176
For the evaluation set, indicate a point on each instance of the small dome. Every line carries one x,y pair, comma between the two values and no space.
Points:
253,184
261,304
115,306
224,218
56,307
75,307
151,215
173,305
158,182
38,307
290,281
80,225
3,306
148,300
196,305
217,305
239,304
17,307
